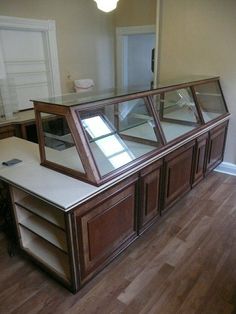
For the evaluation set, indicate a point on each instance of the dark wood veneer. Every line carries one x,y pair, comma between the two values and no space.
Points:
7,131
217,138
178,169
150,194
105,226
200,158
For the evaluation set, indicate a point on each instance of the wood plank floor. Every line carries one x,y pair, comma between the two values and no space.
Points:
186,263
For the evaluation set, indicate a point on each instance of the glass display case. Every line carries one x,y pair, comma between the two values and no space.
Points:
97,136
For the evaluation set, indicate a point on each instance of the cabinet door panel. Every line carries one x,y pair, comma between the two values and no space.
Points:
216,146
178,170
200,158
150,184
6,131
105,229
110,226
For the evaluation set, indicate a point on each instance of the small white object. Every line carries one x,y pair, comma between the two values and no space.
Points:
83,85
106,5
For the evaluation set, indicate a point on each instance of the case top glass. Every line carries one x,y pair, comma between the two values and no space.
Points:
210,99
74,99
59,144
177,112
118,134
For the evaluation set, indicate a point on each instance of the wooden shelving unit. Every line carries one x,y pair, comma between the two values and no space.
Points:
42,232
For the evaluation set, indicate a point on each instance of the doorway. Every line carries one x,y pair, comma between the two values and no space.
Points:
28,62
135,56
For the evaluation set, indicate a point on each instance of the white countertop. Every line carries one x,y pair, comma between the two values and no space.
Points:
60,190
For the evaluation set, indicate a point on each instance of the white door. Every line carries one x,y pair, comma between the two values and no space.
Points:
139,71
27,70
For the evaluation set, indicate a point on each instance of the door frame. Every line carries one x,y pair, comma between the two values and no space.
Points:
122,34
121,46
48,28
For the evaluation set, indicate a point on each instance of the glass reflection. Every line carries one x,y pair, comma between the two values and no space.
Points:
177,112
210,99
59,143
120,133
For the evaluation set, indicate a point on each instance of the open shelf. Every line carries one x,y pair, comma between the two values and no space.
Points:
42,228
42,209
45,253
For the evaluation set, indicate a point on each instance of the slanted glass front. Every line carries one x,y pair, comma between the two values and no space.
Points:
210,99
59,143
177,112
119,133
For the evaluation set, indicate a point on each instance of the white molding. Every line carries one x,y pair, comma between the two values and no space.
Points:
157,47
48,27
226,167
10,22
132,30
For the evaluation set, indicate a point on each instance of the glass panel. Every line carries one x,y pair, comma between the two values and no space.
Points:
59,143
119,134
210,99
177,112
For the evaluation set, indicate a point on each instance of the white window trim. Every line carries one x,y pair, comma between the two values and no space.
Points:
49,29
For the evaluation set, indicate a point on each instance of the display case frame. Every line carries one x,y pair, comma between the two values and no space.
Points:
72,111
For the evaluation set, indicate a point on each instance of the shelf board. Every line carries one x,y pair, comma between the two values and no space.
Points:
43,210
46,230
48,255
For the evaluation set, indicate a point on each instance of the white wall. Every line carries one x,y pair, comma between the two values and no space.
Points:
85,37
198,37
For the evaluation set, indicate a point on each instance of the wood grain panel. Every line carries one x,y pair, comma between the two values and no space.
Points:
149,193
178,174
7,131
216,146
200,158
105,229
109,227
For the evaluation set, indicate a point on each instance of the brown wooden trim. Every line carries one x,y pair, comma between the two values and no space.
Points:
83,147
223,97
189,123
158,128
139,140
201,121
72,253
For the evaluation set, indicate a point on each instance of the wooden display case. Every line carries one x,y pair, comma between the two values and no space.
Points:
73,228
97,137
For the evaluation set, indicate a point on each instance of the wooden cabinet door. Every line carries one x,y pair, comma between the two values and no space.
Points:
216,146
200,158
178,173
7,131
106,225
149,194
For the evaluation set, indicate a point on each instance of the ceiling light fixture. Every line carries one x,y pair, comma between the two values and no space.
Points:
106,5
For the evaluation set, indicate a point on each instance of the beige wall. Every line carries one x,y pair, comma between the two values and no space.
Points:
135,13
84,37
198,37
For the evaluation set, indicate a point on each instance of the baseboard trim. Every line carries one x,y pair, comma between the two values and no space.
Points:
226,167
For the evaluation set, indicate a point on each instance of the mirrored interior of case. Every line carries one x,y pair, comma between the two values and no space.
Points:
210,99
59,143
119,133
177,112
95,138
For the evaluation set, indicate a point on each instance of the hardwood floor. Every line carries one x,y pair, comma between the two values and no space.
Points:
186,263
